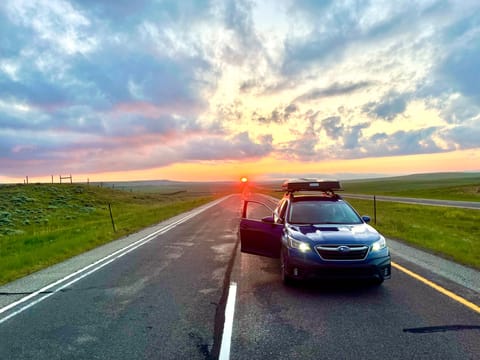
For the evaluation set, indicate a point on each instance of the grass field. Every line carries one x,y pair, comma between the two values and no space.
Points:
443,186
449,232
43,224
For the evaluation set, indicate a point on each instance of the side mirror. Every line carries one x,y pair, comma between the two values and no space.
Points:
268,220
366,218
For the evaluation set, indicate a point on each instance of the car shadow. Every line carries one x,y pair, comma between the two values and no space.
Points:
351,287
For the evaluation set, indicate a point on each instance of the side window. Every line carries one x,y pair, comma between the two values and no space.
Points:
280,212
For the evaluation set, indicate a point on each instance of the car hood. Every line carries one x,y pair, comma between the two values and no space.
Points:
335,234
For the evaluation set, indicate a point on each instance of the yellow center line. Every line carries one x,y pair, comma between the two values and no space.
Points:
440,289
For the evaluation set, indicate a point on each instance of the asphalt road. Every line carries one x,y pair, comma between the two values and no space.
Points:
165,299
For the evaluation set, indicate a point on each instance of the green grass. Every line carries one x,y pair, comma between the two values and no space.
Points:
449,232
443,186
43,224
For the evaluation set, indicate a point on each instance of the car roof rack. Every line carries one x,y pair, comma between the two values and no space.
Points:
326,186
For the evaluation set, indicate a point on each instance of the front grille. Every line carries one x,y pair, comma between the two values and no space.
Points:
342,252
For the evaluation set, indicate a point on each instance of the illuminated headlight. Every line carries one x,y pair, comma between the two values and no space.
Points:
300,245
379,245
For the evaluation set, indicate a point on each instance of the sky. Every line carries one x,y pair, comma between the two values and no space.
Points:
220,89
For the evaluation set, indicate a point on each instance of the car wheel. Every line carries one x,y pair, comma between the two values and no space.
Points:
286,278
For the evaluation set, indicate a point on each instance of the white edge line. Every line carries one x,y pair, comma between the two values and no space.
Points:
228,326
115,255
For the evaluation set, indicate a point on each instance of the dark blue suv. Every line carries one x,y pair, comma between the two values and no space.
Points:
316,234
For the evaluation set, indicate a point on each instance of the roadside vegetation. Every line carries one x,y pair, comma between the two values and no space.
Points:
42,224
452,233
442,186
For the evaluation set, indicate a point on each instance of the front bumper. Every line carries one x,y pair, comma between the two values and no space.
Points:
302,267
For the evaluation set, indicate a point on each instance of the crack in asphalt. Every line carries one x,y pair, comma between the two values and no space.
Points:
12,293
434,329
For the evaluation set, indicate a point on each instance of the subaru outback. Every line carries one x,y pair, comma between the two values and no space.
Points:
316,234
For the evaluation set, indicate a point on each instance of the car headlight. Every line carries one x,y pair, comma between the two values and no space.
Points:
300,245
379,244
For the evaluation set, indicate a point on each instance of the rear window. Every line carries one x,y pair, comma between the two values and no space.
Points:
323,212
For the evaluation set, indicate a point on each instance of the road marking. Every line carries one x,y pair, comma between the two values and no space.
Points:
97,265
228,326
440,289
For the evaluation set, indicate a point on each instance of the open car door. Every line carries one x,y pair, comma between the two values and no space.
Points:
260,236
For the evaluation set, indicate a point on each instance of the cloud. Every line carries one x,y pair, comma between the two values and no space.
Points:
333,126
240,146
403,143
460,69
243,46
387,108
464,136
335,27
334,90
277,116
289,110
116,85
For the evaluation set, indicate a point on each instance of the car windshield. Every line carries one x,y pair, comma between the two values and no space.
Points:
323,212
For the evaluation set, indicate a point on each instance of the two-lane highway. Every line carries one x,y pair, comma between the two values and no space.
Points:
157,302
165,300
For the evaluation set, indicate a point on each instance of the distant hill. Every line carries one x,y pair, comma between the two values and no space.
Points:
448,186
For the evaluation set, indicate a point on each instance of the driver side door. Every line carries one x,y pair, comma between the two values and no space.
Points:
260,236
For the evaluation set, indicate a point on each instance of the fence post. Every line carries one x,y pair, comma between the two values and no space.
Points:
374,209
111,217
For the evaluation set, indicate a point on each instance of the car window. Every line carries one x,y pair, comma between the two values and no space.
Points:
280,211
323,212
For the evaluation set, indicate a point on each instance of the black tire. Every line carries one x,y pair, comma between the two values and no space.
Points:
286,278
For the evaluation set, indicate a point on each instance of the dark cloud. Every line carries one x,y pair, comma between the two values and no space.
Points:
240,146
245,46
334,90
350,136
460,68
289,110
463,136
401,143
388,107
333,126
353,136
277,116
352,144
